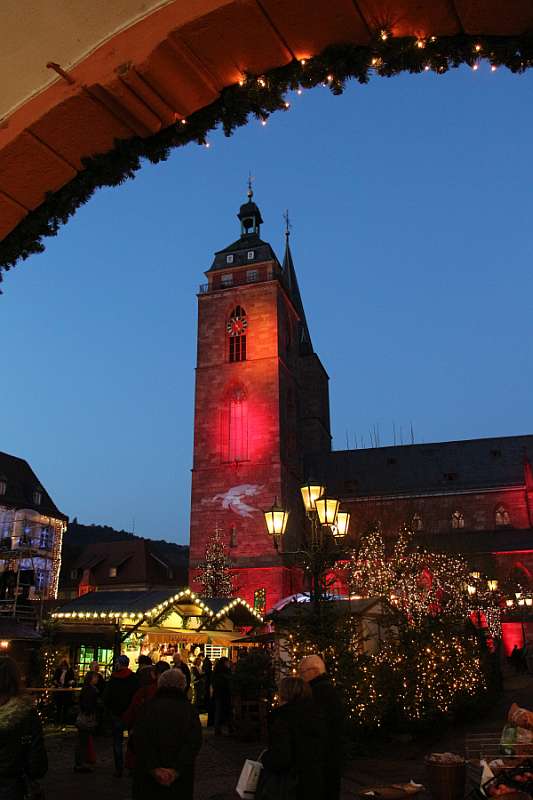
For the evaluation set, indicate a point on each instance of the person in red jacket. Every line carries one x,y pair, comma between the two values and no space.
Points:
118,695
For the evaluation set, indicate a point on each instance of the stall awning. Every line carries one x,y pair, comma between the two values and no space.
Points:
136,606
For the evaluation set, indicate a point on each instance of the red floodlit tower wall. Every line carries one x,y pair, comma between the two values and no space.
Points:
247,435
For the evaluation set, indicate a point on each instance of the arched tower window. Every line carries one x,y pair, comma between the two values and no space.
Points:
458,520
501,517
236,329
235,426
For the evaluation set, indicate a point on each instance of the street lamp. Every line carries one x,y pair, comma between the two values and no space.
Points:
340,529
276,519
311,491
471,590
492,585
323,517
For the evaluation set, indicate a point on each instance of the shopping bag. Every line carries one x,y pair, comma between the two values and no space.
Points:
247,783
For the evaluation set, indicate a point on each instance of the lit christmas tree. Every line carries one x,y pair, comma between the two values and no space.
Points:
369,574
216,577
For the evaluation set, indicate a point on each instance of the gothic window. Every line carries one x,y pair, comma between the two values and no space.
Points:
501,517
235,427
37,496
417,523
236,328
458,520
3,484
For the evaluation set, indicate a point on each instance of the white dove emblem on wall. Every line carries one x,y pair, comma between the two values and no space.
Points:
233,498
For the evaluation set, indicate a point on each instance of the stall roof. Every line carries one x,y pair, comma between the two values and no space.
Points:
150,604
341,606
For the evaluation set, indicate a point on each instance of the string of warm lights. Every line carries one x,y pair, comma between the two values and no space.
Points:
133,617
260,96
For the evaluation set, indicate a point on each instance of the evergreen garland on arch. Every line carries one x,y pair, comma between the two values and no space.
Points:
260,96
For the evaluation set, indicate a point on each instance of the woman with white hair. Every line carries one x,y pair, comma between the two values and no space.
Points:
166,740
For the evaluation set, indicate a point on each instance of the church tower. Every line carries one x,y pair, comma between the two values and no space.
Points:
261,404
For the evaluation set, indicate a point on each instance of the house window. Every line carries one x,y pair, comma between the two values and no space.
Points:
417,523
260,601
215,651
74,574
3,485
113,572
45,539
501,517
38,496
226,280
236,329
251,255
252,276
458,520
229,259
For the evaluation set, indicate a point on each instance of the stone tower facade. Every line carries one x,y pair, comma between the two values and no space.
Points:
261,402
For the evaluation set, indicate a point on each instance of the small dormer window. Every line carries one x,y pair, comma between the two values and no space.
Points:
229,259
74,574
251,255
3,485
38,496
112,572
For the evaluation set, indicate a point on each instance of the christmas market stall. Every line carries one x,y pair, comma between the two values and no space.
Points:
100,625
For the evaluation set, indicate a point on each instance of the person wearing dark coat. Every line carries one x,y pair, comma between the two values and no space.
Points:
118,695
332,715
179,663
296,743
23,756
166,740
89,709
221,682
63,678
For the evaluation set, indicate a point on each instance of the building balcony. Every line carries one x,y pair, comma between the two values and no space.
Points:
229,279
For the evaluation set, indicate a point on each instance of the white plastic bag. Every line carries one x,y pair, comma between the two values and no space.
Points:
247,783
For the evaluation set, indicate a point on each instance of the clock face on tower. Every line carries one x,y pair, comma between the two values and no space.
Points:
236,326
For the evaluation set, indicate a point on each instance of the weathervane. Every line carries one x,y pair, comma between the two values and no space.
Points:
288,224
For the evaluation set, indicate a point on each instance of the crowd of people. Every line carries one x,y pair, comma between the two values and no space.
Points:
160,711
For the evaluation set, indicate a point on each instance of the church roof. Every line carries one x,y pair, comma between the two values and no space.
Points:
417,469
291,283
239,249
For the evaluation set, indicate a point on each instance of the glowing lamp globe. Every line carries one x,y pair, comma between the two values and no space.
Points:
311,491
471,590
276,519
327,509
492,585
529,601
342,524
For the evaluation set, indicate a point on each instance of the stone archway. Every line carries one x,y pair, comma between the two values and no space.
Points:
92,91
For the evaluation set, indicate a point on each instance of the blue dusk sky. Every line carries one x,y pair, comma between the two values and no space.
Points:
411,204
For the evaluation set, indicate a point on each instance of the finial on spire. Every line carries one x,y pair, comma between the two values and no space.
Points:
250,190
288,225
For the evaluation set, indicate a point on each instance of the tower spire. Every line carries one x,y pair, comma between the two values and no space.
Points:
250,192
291,282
